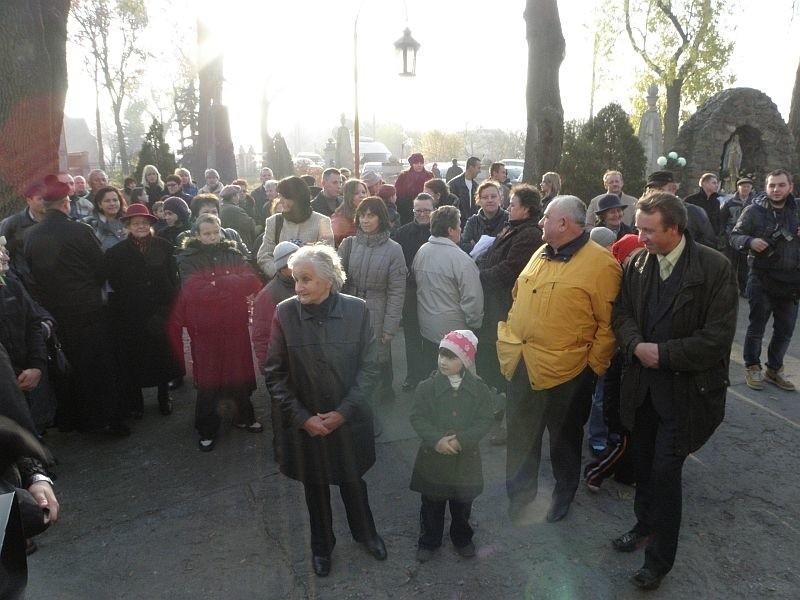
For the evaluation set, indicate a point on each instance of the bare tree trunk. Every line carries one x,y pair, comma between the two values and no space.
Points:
546,48
33,69
794,117
123,146
672,114
101,154
266,138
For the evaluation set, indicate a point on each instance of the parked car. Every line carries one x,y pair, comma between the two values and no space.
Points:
375,166
313,157
514,173
513,162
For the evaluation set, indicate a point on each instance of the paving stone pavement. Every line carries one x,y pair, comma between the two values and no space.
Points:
151,517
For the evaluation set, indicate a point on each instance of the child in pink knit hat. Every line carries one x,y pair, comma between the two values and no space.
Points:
453,410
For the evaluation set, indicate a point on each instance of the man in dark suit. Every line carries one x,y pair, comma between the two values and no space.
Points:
464,186
674,319
66,266
260,195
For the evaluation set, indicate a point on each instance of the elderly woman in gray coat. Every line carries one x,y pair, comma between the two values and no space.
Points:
376,271
320,369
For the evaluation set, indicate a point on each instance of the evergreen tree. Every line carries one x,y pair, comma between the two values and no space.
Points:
279,158
155,151
592,148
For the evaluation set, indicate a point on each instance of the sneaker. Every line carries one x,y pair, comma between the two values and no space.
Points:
206,445
776,378
424,554
597,450
254,427
755,378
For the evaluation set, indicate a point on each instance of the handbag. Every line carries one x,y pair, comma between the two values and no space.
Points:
57,358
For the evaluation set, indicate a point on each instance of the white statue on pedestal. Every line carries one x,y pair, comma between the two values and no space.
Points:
650,132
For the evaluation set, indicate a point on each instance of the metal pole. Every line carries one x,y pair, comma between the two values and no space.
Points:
356,124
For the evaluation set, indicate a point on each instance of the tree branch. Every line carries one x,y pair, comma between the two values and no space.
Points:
639,50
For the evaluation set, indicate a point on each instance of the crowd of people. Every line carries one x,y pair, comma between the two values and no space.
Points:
517,303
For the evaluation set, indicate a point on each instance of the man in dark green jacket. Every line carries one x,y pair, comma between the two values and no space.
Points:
674,319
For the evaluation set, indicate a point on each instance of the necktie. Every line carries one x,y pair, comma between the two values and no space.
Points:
664,268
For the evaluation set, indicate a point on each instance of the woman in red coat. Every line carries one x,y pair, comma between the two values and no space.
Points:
212,305
410,183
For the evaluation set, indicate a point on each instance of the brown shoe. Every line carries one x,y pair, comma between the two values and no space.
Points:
776,378
754,377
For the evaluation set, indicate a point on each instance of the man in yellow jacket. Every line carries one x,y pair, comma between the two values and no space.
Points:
556,341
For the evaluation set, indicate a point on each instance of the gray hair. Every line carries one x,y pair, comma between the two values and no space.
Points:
572,207
325,261
271,184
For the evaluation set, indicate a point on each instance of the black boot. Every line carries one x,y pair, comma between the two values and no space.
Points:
164,400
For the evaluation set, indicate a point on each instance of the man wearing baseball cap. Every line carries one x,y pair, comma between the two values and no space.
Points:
728,215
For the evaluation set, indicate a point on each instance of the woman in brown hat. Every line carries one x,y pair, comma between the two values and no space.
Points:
144,281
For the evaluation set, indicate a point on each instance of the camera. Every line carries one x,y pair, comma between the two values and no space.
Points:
779,233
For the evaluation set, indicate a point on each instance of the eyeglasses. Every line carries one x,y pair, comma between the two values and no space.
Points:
422,211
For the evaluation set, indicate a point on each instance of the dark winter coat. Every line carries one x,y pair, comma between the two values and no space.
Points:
66,265
466,199
320,204
171,233
479,225
696,355
323,358
154,193
144,289
224,234
710,204
440,410
21,327
262,211
234,217
760,220
411,237
699,227
409,183
729,212
499,268
212,305
14,228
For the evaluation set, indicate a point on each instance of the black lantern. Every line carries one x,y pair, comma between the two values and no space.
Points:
408,46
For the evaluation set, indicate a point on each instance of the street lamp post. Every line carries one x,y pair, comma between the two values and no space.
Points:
407,46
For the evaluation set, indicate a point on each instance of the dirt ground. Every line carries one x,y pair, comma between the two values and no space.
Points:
151,517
